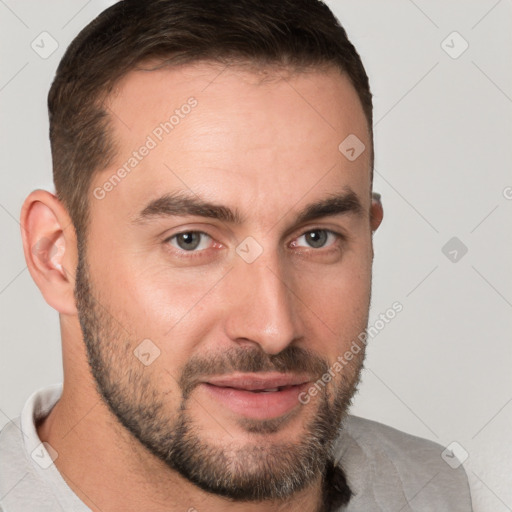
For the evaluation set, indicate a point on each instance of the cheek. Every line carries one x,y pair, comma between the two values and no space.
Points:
172,308
338,300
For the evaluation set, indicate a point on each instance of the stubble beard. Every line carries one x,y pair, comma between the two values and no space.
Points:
263,470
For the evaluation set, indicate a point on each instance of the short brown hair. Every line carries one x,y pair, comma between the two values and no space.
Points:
292,33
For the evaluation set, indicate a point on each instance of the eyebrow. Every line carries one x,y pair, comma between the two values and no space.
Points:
182,204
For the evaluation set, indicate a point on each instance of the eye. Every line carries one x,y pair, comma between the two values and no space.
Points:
190,240
317,238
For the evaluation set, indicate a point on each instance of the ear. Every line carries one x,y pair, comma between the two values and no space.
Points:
376,212
49,244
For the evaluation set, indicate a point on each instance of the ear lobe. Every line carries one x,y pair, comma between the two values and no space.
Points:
376,212
49,244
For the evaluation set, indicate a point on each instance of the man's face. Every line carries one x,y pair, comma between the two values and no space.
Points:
203,328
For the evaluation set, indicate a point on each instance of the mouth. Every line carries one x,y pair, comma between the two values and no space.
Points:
269,390
259,382
257,396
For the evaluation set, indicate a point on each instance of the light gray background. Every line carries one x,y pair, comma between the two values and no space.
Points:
441,368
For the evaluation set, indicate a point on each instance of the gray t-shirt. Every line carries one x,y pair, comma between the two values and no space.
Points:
387,470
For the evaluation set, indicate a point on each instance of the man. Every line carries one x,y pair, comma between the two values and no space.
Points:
209,252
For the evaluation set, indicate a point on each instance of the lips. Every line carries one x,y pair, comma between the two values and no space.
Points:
259,383
257,396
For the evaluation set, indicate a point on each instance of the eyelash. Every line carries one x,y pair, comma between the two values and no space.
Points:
198,253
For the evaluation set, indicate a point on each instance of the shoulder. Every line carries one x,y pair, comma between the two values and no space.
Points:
388,468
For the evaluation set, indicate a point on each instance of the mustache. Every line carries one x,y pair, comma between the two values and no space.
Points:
291,360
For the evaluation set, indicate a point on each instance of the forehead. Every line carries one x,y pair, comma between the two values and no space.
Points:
234,135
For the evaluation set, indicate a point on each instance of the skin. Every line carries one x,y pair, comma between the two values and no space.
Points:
266,148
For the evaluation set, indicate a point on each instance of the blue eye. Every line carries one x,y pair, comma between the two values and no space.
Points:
189,240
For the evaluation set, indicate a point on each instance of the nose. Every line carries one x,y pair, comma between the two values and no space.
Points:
264,307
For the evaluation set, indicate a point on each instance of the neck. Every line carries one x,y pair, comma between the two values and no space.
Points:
336,491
